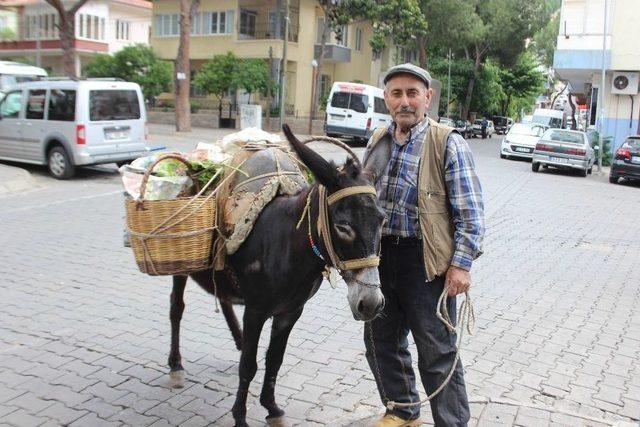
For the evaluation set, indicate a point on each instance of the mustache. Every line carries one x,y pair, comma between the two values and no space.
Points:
405,110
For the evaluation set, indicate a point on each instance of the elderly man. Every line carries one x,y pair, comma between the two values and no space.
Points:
426,182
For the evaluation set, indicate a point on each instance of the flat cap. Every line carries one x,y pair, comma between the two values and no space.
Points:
409,68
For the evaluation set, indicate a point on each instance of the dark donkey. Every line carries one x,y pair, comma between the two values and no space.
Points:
278,271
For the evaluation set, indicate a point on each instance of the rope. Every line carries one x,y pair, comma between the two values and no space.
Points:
467,318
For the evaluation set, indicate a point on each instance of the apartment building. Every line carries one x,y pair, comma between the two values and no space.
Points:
100,27
579,58
250,28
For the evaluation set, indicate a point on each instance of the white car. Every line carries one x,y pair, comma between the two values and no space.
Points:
69,123
521,140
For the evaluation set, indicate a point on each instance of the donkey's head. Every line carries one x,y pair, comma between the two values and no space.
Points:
355,224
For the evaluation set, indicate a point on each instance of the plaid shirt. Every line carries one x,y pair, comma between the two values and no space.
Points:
398,192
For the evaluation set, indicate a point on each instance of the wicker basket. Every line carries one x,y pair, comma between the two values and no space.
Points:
171,236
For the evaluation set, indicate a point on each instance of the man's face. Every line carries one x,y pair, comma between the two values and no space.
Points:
407,99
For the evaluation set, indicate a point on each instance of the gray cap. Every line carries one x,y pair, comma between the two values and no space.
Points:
409,68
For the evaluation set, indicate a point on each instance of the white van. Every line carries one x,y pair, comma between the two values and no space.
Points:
355,109
15,72
68,123
548,117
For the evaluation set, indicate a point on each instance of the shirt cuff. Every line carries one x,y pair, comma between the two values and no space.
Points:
462,260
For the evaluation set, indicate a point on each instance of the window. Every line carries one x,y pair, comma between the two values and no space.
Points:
320,30
248,23
3,22
46,24
273,30
35,104
62,105
10,107
196,23
167,25
379,106
113,105
358,39
342,38
218,22
352,101
122,30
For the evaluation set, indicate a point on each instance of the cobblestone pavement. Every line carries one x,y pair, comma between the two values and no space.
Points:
84,337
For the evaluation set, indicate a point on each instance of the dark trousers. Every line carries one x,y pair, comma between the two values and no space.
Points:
411,306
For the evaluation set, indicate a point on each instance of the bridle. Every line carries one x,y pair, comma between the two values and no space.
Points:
324,230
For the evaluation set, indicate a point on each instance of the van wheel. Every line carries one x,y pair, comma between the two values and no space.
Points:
535,167
59,163
583,173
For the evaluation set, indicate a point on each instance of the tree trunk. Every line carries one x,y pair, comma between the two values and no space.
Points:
320,60
183,67
472,82
67,28
422,52
574,124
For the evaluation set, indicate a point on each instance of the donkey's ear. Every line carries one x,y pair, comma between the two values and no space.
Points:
324,172
377,159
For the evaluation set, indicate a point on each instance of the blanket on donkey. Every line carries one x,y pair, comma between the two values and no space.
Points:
261,175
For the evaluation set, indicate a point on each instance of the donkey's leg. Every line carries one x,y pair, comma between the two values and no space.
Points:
280,330
177,307
253,322
232,322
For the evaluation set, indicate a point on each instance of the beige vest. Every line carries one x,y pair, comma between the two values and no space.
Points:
434,213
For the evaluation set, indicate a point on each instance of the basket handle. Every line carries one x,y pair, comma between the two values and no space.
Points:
147,173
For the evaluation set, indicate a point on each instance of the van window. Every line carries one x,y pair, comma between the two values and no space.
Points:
62,105
113,105
11,104
353,101
35,104
379,106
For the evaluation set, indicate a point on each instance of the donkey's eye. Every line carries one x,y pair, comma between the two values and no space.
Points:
345,231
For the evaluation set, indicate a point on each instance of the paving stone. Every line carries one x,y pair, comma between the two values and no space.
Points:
91,420
22,418
100,407
61,413
130,417
30,402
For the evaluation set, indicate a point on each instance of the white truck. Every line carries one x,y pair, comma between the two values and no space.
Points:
549,117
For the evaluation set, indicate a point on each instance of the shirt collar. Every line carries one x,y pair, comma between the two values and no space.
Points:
416,129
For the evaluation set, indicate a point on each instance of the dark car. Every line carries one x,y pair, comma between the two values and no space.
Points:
626,163
464,127
502,124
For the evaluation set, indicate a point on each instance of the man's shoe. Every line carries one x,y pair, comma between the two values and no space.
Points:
390,420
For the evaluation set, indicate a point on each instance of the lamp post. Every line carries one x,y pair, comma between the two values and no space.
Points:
312,108
602,83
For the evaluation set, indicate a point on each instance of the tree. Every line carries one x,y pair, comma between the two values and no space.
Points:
523,80
544,41
219,76
67,30
253,76
183,66
137,63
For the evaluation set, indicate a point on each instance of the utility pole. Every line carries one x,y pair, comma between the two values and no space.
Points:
602,83
449,84
283,67
269,89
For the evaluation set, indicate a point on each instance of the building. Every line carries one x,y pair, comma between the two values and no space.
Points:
100,27
252,28
579,58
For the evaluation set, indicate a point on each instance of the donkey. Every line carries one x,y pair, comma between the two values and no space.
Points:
279,267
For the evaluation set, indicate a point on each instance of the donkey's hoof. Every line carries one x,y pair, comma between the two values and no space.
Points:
280,421
177,378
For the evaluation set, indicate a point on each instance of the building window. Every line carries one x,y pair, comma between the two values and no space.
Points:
167,25
196,23
218,22
359,39
248,23
46,24
122,30
343,39
90,27
273,24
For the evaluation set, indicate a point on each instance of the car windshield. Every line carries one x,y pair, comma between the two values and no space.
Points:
446,122
524,129
460,123
564,136
349,100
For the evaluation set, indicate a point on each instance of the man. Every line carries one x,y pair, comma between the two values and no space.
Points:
426,182
483,124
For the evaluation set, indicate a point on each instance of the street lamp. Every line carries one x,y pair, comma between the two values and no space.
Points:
312,109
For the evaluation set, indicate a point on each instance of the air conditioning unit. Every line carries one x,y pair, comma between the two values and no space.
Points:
625,83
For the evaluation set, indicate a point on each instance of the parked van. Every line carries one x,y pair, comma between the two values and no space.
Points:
69,123
15,72
548,117
355,109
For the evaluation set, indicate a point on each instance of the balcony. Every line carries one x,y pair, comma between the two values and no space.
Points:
333,53
265,20
20,46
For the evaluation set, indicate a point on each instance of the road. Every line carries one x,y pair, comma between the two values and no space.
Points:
84,337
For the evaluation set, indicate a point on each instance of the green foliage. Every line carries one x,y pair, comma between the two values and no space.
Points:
543,43
7,33
137,63
195,106
488,92
523,80
218,75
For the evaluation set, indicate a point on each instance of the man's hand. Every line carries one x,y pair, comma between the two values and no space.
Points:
458,280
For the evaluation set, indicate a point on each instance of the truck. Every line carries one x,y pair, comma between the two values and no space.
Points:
549,117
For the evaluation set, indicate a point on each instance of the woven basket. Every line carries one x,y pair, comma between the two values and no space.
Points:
171,236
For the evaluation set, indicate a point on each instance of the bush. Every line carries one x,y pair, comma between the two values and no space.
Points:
195,107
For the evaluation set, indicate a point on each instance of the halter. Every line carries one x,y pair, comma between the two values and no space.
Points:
324,229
